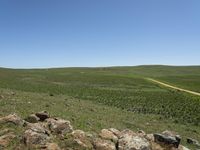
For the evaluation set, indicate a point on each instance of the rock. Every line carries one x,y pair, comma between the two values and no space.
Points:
36,134
32,118
41,131
193,142
108,135
132,142
150,137
34,138
6,139
101,144
78,134
81,139
83,144
59,126
52,146
38,127
12,118
171,141
115,132
126,133
42,115
169,133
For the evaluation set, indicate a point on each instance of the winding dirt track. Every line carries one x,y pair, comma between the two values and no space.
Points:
173,87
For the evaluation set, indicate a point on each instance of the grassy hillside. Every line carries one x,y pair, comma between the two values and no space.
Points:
106,93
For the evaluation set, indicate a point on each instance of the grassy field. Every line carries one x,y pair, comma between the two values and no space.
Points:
95,98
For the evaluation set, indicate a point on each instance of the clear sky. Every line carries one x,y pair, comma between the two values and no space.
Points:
64,33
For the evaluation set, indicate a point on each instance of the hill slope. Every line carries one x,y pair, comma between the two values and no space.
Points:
116,92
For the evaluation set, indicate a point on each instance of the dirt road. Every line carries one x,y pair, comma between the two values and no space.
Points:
173,87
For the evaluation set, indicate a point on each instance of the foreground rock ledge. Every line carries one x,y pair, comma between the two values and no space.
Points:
40,131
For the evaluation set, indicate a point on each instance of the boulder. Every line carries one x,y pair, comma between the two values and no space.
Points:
6,139
36,134
32,118
108,135
101,144
171,141
12,118
59,126
38,127
193,142
133,142
42,115
81,139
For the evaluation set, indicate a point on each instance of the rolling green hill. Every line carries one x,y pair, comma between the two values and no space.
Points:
114,90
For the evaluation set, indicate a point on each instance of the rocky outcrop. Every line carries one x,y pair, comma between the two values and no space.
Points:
40,131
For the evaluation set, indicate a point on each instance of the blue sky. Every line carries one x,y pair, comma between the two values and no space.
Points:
64,33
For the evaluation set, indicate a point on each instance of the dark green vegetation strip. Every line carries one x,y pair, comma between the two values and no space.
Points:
120,87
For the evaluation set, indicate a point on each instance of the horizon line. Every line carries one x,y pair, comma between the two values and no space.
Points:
111,66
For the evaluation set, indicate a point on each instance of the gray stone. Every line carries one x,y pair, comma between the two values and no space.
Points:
173,141
36,134
131,141
59,126
193,141
82,139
